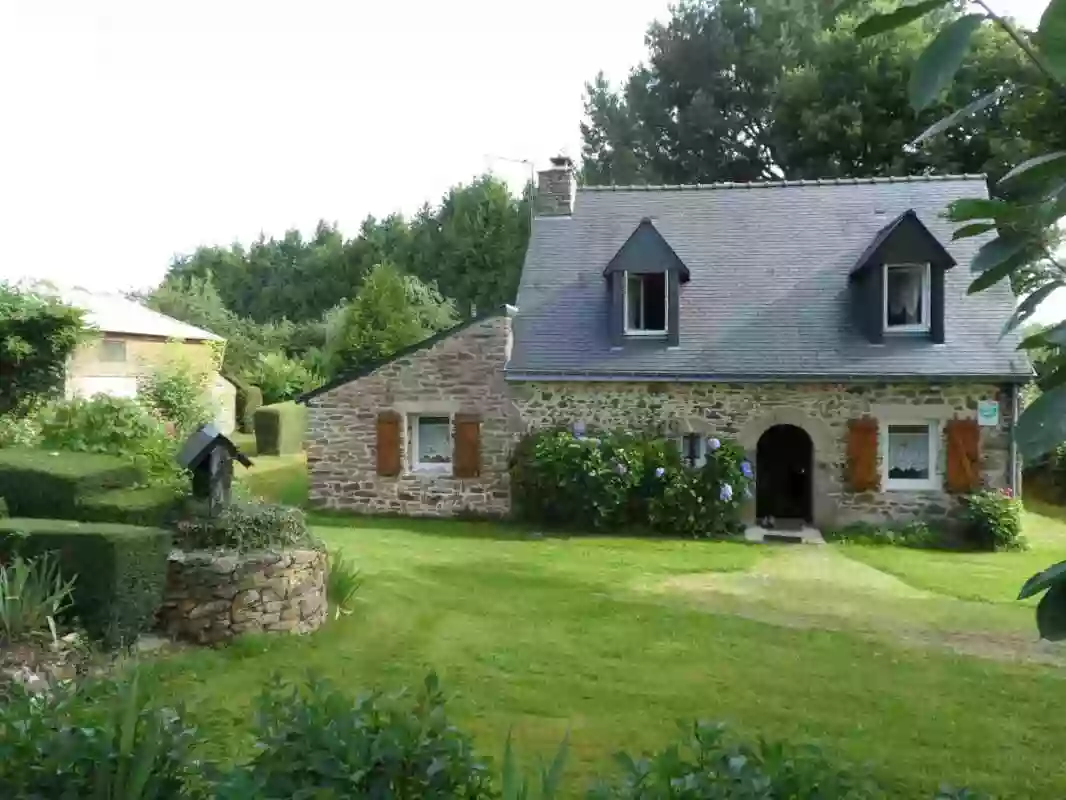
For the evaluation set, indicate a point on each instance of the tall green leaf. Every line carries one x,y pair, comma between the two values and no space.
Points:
1056,573
879,23
954,118
1029,304
973,229
1051,613
1043,424
1055,336
1051,38
940,61
970,208
1049,165
996,252
990,277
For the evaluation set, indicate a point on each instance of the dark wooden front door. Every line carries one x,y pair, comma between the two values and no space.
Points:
784,462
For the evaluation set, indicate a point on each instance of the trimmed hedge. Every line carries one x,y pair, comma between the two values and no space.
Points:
40,483
120,570
149,506
249,400
279,429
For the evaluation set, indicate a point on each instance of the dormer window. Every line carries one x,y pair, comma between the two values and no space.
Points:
646,304
906,299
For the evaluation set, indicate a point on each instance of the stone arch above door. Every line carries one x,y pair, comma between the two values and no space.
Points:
823,505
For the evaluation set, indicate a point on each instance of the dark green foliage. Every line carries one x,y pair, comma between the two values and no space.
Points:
39,483
249,399
317,739
705,764
992,520
103,740
280,429
243,526
281,378
619,480
37,336
119,570
4,512
911,534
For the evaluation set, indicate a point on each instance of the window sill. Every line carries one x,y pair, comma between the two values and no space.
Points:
430,470
902,485
647,334
906,330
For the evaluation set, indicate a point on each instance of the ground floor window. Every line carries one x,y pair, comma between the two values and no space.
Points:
430,442
908,455
693,449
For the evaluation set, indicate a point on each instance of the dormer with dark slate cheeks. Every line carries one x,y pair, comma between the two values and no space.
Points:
644,288
897,285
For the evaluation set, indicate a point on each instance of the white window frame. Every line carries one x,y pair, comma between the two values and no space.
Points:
911,484
625,305
922,326
103,351
414,465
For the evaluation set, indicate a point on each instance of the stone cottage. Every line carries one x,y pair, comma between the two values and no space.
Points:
824,325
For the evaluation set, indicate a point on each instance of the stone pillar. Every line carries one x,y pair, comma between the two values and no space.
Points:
556,188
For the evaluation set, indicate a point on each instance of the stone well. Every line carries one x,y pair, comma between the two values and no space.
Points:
212,597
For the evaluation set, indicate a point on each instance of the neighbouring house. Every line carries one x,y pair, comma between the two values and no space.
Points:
133,339
823,325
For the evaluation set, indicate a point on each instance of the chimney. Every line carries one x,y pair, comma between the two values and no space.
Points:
556,188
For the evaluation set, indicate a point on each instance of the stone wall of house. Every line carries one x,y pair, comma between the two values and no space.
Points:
211,597
743,412
458,374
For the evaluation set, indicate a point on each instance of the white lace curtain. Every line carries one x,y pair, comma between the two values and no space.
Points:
905,294
908,451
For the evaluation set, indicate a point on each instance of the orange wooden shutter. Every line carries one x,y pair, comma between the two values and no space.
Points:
388,444
862,455
466,458
964,455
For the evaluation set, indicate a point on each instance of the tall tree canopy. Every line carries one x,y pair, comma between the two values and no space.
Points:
470,246
741,90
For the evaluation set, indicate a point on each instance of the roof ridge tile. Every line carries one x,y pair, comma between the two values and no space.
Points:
781,184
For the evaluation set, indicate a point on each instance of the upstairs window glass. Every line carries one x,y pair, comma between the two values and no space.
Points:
112,351
906,297
646,304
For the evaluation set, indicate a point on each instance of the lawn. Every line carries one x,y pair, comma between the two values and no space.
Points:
919,665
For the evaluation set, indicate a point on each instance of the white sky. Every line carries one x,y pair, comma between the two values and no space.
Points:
131,130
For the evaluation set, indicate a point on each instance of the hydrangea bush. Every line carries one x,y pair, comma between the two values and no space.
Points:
604,483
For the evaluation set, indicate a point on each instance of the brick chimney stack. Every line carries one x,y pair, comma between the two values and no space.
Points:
556,188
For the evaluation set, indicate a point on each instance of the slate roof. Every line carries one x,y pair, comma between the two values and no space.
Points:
769,294
113,313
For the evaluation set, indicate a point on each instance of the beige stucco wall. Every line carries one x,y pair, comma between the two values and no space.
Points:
742,413
461,374
141,354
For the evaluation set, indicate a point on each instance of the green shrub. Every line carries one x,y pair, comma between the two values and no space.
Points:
97,741
619,480
19,430
706,764
177,393
32,595
992,520
4,513
243,526
38,483
119,570
279,429
912,534
249,399
281,378
342,582
318,742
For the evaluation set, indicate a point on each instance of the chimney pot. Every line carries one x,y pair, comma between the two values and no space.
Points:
556,188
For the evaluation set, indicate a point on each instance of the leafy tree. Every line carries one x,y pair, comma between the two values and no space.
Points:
473,245
38,334
392,311
281,378
741,90
1025,216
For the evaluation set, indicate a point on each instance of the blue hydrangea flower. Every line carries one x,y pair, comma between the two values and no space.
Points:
713,444
660,471
621,468
727,492
745,468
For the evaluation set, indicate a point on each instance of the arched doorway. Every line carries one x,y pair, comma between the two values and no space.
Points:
784,467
